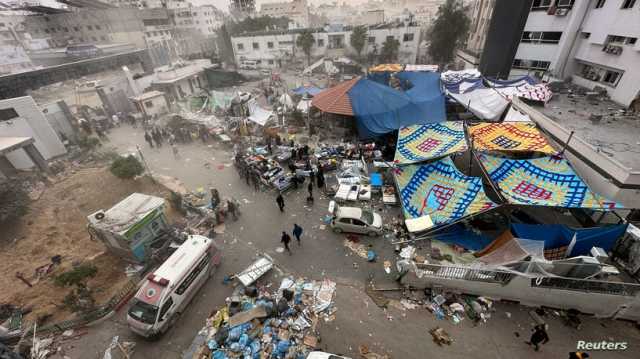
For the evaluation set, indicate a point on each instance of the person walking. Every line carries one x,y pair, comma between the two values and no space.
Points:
285,240
147,137
174,148
539,336
310,188
233,209
297,232
280,202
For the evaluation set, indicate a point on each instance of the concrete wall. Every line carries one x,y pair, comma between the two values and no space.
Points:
158,106
58,118
30,123
520,289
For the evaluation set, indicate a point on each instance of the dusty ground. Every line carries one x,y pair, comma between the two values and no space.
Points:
56,225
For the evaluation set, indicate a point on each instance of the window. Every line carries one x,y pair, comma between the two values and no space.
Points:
94,38
320,42
165,307
372,39
540,5
600,4
357,222
628,4
148,104
256,46
89,27
531,64
407,37
631,40
615,38
270,62
270,45
191,277
345,220
336,41
75,28
585,35
66,29
611,77
390,38
98,27
537,37
103,38
565,4
46,31
8,114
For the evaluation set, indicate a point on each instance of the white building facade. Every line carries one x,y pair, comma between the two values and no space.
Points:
274,49
296,10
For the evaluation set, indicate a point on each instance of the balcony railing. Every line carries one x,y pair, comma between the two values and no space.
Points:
466,273
612,49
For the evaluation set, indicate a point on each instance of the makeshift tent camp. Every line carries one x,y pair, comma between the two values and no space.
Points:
510,137
449,77
440,191
546,181
524,87
424,142
514,250
514,115
485,103
257,114
380,109
559,236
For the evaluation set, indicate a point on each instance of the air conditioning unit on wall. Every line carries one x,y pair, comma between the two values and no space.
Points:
561,12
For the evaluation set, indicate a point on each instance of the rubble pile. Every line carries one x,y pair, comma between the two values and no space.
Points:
258,324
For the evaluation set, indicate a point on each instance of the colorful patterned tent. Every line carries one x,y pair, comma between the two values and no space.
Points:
439,190
507,136
386,68
424,142
546,181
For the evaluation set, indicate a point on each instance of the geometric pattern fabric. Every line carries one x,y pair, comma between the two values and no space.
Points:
509,136
546,181
424,142
439,190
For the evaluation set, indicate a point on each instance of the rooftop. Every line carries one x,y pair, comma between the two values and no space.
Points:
127,212
616,133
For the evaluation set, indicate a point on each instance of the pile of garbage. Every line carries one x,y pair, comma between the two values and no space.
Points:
258,324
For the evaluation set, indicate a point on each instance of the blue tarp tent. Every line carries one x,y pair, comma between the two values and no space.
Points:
426,93
311,90
558,235
380,109
460,235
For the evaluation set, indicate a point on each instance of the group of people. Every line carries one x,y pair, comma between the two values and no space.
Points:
286,238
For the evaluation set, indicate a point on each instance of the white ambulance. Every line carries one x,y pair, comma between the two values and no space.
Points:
166,292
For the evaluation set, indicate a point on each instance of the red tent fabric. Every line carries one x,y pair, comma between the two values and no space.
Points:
335,99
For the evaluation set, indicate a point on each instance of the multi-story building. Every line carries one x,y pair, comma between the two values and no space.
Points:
275,48
592,42
14,40
296,10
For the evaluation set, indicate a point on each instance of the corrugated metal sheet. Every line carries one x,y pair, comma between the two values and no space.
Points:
335,99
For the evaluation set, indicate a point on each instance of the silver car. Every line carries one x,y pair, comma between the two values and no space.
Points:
355,220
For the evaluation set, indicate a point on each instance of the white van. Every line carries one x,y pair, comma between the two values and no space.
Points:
166,292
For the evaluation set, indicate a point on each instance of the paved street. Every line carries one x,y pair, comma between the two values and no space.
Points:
400,333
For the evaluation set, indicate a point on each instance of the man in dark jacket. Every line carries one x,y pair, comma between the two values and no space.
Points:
297,232
285,240
539,336
280,202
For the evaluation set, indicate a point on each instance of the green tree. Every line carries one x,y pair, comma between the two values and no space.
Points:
225,47
126,167
448,32
305,41
358,38
14,200
389,52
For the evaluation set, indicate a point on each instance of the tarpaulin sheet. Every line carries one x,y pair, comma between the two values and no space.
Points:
514,250
379,109
220,99
525,87
509,137
311,90
426,93
546,181
457,76
424,142
460,235
386,68
514,115
257,114
485,103
439,190
558,235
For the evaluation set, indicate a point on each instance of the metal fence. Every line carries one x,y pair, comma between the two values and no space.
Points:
466,273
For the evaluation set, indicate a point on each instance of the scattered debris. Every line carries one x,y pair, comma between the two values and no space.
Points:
440,336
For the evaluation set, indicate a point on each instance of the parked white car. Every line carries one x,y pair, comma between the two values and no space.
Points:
355,220
323,355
